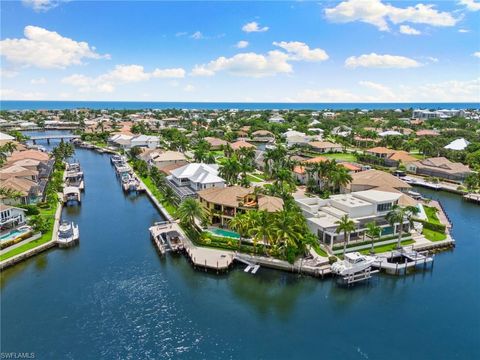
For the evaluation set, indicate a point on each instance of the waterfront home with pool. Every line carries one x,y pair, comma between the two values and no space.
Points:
222,205
361,207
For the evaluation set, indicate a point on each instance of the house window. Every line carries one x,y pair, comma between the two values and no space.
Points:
384,207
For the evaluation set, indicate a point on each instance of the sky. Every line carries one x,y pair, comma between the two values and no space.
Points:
219,51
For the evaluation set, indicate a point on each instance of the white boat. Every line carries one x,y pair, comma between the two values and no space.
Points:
68,234
353,263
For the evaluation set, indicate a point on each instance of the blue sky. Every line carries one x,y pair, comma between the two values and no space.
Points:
330,51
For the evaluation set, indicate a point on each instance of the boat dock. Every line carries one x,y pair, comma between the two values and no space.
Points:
71,193
475,198
398,262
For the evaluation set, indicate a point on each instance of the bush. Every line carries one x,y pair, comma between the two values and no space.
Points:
332,259
432,226
31,209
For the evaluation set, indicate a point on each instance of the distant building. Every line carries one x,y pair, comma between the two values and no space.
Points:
437,114
324,146
440,167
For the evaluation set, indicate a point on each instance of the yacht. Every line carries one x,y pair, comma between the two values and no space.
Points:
68,234
353,263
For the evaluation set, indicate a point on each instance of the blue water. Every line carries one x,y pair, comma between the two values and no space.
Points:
113,297
119,105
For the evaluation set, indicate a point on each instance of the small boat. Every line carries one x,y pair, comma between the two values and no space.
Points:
353,263
115,159
68,234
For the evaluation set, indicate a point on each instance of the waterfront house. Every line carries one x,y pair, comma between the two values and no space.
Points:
324,146
11,216
361,207
376,179
222,204
187,180
440,167
168,158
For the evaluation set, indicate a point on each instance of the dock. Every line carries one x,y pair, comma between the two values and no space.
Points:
398,262
475,198
71,193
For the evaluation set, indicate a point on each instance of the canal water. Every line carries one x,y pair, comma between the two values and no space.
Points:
114,297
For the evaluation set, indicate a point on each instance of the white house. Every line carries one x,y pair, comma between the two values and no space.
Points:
361,207
147,141
189,179
11,216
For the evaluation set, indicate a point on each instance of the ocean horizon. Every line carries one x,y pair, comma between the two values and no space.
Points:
141,105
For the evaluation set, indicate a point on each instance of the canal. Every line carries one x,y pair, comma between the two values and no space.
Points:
114,297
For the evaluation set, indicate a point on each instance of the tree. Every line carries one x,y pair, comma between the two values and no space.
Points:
347,226
230,169
398,215
373,232
190,209
39,223
241,224
135,151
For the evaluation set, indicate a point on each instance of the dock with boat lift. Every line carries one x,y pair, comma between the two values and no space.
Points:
392,262
475,198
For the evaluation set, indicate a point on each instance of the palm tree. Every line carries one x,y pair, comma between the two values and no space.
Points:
230,169
373,232
259,226
340,177
347,226
286,230
169,195
398,215
9,193
190,209
241,224
9,147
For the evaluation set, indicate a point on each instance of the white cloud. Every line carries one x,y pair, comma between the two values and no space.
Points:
376,13
13,94
254,27
181,33
381,61
407,30
39,81
176,73
448,91
471,5
121,74
247,64
463,31
46,49
41,5
301,51
197,35
385,91
476,54
242,44
189,88
324,95
7,73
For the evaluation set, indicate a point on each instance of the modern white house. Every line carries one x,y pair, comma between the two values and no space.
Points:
187,180
361,207
11,216
458,144
438,114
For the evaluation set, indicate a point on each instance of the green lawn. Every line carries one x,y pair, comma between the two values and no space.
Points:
386,248
49,214
341,156
253,178
431,214
433,235
319,250
158,194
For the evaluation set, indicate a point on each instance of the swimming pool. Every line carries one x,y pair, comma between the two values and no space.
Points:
13,234
224,233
